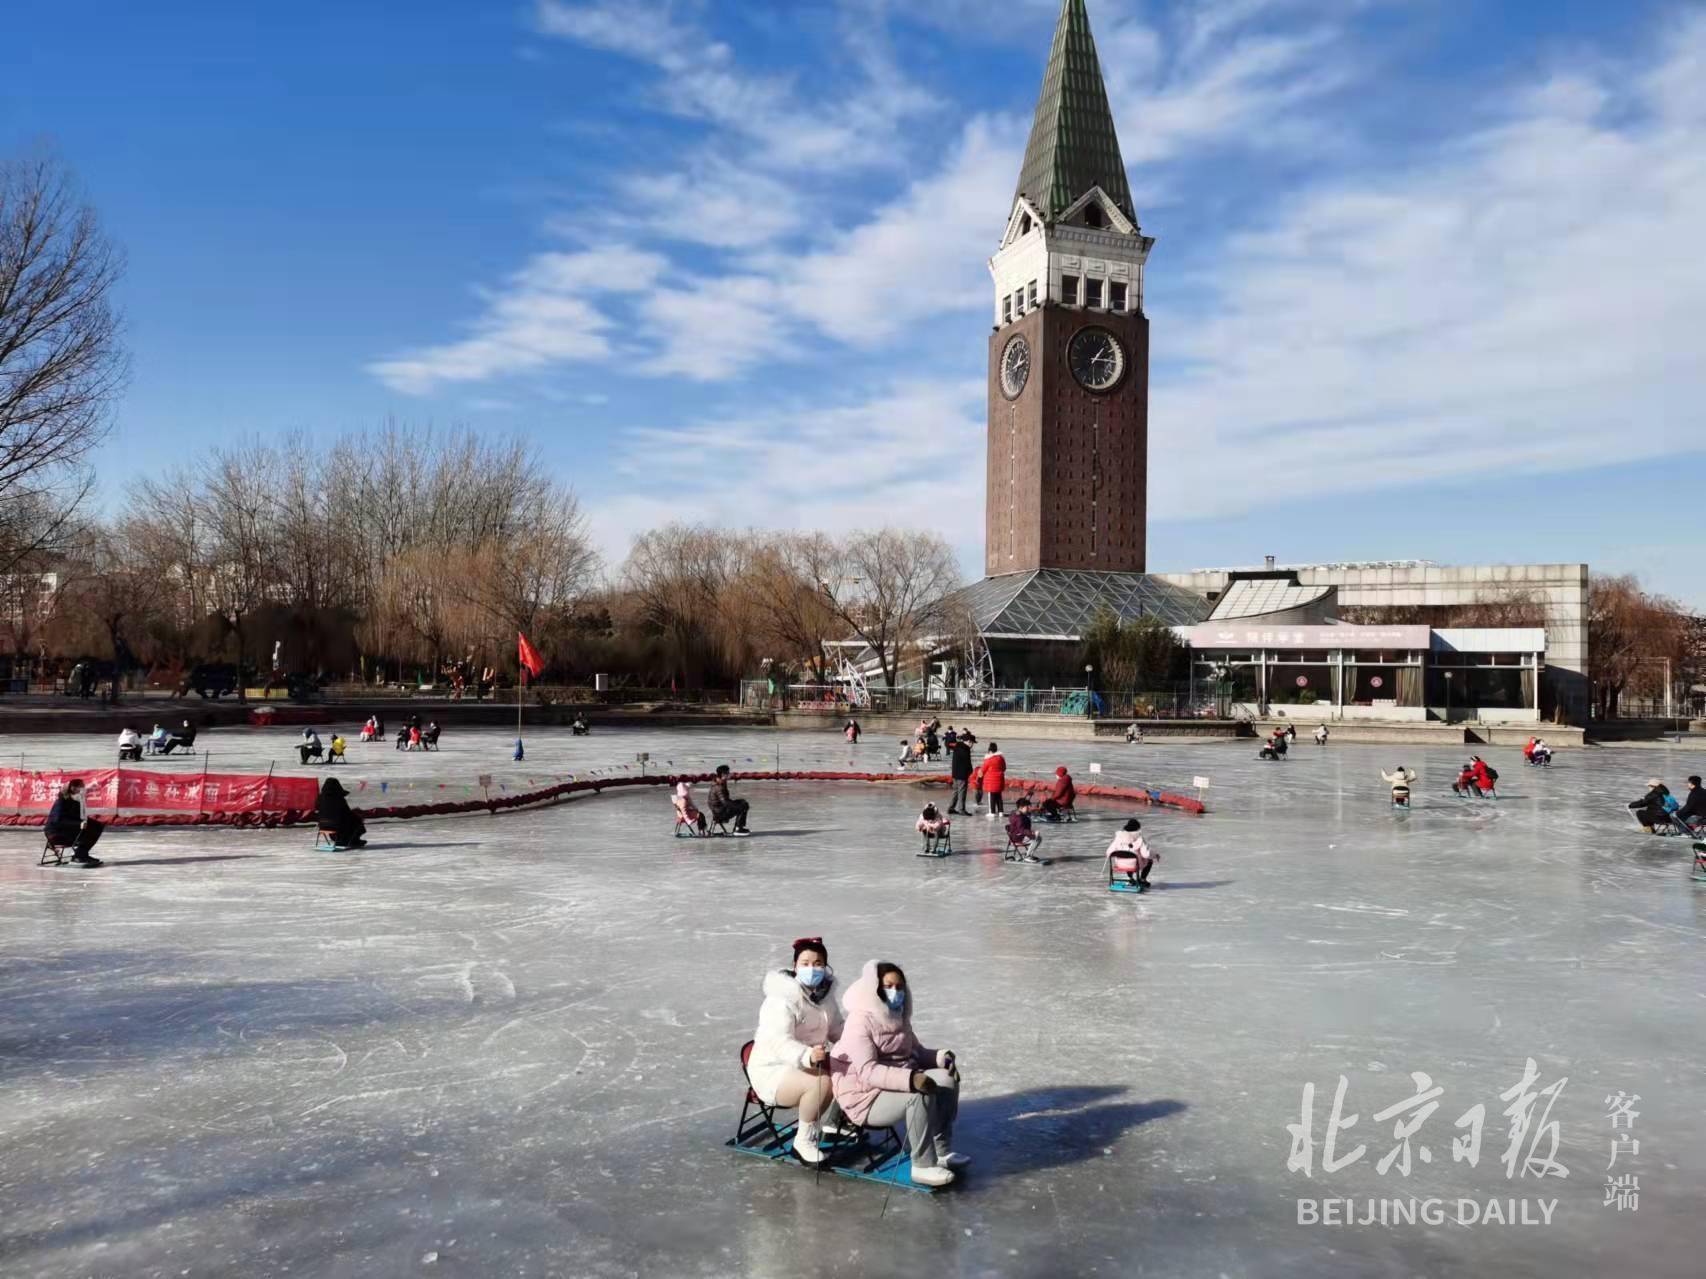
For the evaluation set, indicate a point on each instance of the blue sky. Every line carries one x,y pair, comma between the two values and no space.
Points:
1428,280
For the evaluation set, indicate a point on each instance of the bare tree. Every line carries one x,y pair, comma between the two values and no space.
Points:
235,499
890,589
61,362
676,579
781,602
1631,635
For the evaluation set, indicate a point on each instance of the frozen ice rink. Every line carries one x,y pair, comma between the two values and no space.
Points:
507,1046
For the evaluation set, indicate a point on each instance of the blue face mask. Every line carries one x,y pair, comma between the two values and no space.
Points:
811,978
894,997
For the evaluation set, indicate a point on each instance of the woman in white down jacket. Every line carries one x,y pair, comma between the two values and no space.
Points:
798,1021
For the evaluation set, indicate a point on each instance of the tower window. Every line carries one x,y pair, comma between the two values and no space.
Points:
1006,310
1018,301
1093,293
1116,295
1031,294
1093,215
1069,290
1024,224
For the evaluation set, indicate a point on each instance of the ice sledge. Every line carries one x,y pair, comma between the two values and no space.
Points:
1126,886
936,845
863,1155
1700,859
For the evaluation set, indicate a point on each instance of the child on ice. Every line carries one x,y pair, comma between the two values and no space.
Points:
1130,855
1023,841
1400,783
685,813
934,827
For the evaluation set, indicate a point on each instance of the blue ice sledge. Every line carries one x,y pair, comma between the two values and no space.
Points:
866,1155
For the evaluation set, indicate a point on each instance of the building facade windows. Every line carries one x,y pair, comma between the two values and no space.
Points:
1031,295
1069,290
1093,294
1006,310
1116,295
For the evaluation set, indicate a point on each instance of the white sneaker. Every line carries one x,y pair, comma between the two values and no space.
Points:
805,1144
932,1176
953,1161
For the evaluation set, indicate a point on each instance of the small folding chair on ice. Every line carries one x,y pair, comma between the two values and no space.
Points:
52,854
336,756
758,1130
938,845
1021,850
1119,881
1700,859
326,841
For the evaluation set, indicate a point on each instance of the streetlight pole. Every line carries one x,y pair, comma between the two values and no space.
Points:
1448,697
1089,697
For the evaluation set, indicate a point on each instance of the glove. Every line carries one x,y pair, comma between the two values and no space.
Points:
922,1082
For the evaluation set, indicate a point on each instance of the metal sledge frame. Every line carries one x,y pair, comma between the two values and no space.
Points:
865,1154
1117,881
1675,824
52,854
325,841
937,845
1020,850
1700,859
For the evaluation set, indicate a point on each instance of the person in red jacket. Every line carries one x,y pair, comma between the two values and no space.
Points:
1485,778
994,772
1058,805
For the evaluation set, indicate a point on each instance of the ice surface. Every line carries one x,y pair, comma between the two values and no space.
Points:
507,1046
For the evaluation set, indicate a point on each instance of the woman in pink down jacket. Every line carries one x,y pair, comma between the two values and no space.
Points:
883,1076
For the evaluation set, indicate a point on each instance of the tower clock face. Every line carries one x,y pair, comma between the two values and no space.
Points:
1015,366
1096,358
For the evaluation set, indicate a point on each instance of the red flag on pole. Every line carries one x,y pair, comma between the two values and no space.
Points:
530,657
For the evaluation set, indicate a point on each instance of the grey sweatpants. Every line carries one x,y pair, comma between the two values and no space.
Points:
958,798
929,1118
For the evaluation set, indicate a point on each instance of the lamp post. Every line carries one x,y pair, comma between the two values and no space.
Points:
1089,697
1448,697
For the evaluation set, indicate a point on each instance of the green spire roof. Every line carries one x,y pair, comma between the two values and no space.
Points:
1073,146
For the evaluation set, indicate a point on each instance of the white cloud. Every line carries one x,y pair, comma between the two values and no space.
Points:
712,203
1531,298
544,314
701,79
912,454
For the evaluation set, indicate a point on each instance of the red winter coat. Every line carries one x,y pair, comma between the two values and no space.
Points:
1064,791
1482,778
994,773
977,780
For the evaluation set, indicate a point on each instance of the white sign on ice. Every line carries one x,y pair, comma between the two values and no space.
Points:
1201,783
1095,768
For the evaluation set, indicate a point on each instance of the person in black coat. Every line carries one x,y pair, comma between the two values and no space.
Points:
337,818
67,827
959,757
1649,810
1693,810
183,739
725,807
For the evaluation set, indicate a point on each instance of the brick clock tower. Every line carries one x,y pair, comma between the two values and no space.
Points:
1069,357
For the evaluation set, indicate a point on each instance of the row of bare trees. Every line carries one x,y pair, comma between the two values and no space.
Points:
395,546
723,603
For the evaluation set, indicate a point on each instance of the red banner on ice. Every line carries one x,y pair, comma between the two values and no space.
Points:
130,790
